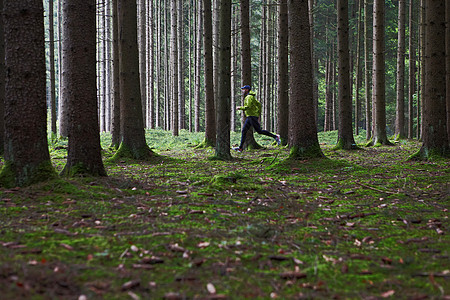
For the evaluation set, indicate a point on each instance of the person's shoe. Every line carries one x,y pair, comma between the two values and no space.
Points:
277,138
237,149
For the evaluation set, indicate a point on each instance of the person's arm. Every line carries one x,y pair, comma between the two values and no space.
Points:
246,104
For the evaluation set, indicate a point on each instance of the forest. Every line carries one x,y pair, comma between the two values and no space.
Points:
119,178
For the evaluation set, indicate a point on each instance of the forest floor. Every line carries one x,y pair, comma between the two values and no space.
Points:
366,224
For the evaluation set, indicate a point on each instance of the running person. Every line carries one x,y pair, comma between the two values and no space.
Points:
252,111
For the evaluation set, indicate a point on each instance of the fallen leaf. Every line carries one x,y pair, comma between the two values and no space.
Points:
211,288
203,245
130,284
133,296
387,294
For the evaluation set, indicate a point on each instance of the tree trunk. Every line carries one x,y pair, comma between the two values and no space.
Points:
2,83
367,68
174,65
358,80
198,69
267,100
345,134
283,69
181,67
412,68
379,88
151,66
435,138
447,49
210,117
223,88
51,58
246,66
142,60
132,126
79,47
303,138
400,110
62,111
115,122
27,159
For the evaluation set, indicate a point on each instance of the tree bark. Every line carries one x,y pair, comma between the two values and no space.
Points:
210,117
2,83
447,59
51,58
400,110
435,137
133,143
142,61
223,88
303,138
115,122
379,88
79,56
283,69
345,134
412,68
181,67
27,159
174,65
367,68
198,69
246,66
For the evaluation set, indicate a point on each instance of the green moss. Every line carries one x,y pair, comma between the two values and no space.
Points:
313,151
205,144
143,153
10,176
430,154
82,169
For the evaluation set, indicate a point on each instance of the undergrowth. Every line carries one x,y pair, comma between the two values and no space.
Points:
357,224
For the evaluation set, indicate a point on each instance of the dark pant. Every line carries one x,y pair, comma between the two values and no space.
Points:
253,121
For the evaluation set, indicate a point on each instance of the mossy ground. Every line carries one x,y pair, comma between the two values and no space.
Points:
357,224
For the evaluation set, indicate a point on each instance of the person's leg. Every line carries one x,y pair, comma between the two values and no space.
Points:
245,128
257,126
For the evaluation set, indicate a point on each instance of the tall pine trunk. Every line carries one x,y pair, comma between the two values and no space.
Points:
223,86
246,66
283,78
133,143
79,47
27,159
379,77
412,68
345,134
435,137
210,117
174,66
303,138
367,74
400,110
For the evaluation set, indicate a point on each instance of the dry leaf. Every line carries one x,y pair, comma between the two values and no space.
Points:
388,294
211,289
203,244
130,284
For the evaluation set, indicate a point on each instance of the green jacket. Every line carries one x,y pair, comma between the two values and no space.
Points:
252,107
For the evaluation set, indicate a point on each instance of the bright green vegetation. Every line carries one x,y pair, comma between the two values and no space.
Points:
354,225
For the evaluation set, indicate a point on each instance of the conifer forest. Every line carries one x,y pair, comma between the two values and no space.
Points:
215,149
